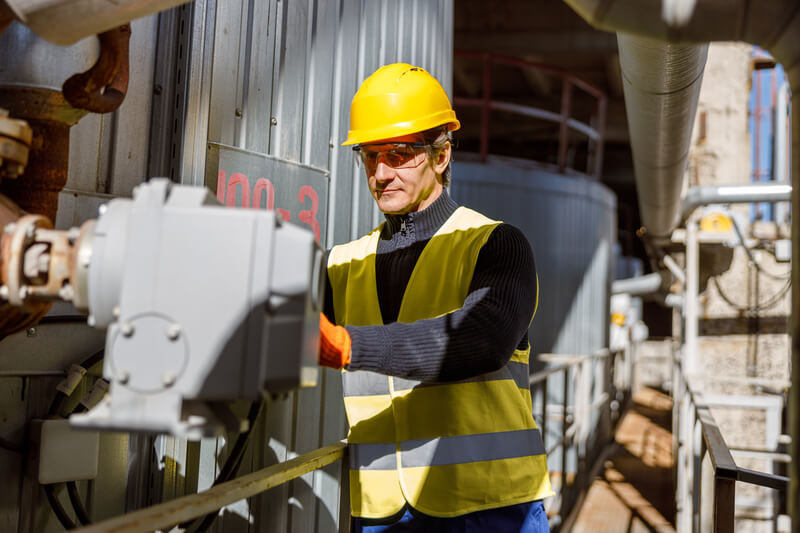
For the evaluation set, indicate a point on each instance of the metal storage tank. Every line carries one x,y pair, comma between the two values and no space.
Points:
258,88
570,222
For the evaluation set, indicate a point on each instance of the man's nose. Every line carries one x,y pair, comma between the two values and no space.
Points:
383,172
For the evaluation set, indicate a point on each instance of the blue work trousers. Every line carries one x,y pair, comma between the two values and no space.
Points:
527,517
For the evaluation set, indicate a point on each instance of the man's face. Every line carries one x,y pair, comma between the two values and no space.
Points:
401,177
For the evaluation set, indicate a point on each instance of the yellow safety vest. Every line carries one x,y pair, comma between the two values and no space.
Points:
445,448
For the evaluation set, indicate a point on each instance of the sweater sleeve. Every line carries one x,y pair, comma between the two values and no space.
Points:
478,338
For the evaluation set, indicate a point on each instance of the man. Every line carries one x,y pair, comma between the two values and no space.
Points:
428,315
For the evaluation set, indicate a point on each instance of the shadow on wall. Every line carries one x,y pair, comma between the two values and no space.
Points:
571,224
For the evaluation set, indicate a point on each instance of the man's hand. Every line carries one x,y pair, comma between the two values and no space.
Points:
334,344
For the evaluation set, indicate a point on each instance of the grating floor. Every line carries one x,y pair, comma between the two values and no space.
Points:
635,491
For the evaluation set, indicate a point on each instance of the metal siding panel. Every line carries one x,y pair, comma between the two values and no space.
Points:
108,490
333,427
198,100
257,109
131,144
312,403
290,80
225,82
85,153
318,140
344,87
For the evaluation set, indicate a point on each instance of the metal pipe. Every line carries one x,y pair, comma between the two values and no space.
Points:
673,267
690,299
661,82
733,194
640,285
780,168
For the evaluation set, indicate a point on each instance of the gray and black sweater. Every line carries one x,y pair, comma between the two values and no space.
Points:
478,338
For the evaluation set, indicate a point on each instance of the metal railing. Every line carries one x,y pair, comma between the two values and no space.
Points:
594,132
589,401
583,414
706,471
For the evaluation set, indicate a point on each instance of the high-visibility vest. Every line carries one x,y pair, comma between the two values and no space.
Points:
445,448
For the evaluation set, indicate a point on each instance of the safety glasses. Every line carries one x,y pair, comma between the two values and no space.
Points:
394,155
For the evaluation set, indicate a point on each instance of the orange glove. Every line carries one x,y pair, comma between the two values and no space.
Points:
334,344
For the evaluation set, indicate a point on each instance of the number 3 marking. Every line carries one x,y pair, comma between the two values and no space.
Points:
309,216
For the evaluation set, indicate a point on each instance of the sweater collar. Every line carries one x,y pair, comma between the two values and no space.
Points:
422,224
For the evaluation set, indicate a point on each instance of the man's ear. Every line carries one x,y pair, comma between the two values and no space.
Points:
444,158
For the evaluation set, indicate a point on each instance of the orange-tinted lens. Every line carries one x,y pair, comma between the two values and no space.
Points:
398,156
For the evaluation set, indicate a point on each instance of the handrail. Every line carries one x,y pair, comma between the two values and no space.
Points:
580,397
167,514
487,103
720,504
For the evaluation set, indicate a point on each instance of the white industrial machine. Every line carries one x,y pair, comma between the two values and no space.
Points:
202,304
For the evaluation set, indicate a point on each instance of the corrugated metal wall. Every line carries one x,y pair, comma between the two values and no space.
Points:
267,77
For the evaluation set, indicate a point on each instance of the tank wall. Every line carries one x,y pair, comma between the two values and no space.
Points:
243,79
571,225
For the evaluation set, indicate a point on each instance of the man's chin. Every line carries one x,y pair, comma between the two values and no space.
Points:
393,207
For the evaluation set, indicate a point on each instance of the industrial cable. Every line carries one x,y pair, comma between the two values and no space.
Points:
231,465
63,392
58,509
11,446
756,308
752,259
77,503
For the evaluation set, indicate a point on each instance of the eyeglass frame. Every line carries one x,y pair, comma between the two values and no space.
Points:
357,150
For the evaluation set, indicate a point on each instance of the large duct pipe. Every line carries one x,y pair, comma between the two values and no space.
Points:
662,85
775,26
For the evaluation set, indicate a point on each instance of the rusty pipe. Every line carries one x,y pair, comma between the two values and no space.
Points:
103,87
14,318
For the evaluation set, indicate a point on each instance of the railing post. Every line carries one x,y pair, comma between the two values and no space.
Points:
563,134
706,518
486,108
602,102
724,504
564,427
344,493
697,472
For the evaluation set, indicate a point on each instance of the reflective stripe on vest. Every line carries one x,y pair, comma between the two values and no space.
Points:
445,448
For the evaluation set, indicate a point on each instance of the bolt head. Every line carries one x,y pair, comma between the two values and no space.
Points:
168,378
115,312
31,332
123,376
173,332
127,329
273,121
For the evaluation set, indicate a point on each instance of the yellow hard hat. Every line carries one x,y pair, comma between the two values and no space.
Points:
397,100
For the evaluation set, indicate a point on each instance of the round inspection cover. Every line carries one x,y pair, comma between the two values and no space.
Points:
147,354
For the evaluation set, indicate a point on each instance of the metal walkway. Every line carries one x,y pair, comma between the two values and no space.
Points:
635,491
